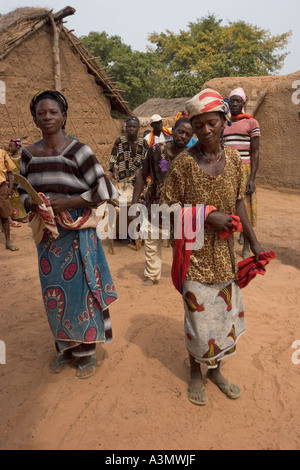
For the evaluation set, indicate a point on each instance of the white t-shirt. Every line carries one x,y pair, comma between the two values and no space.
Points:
158,139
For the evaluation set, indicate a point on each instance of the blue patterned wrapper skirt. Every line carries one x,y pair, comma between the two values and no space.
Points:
77,287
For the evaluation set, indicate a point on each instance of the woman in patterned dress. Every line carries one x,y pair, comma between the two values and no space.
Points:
210,174
76,283
18,211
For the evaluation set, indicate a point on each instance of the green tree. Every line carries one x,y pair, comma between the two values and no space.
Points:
208,50
177,65
137,74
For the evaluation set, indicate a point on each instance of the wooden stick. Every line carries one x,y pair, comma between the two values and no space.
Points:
93,58
56,58
94,68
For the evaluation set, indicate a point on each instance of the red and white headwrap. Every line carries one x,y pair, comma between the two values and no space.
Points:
208,101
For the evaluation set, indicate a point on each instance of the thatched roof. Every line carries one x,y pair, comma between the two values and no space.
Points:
20,24
19,15
162,106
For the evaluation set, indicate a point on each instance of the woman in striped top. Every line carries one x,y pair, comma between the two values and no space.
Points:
243,135
76,284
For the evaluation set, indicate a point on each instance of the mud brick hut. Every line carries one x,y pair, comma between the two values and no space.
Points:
274,101
37,52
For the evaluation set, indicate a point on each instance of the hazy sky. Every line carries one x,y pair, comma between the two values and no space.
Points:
134,20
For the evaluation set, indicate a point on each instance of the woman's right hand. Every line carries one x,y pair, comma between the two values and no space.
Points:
219,221
30,205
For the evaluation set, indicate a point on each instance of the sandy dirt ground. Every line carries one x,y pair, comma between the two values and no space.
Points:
137,398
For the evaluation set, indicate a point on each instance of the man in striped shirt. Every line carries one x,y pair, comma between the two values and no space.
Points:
243,135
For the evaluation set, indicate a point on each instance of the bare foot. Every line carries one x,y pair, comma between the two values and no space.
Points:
14,223
11,247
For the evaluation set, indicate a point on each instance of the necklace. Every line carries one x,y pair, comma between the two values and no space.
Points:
220,155
54,151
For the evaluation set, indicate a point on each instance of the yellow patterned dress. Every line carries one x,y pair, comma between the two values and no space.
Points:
213,303
17,209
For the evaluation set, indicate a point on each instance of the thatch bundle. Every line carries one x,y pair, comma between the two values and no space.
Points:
18,16
18,23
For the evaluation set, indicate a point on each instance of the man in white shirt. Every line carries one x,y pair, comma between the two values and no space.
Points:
159,133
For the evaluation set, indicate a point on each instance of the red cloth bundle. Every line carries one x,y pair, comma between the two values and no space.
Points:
181,257
182,254
236,227
186,236
248,268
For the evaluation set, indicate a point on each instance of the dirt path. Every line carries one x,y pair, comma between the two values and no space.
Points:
137,398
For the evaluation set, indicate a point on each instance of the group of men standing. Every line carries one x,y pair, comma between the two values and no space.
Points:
145,161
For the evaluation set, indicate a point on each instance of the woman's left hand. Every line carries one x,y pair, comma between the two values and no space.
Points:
60,204
219,221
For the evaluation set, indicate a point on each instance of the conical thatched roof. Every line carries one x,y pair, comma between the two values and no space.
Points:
20,24
164,107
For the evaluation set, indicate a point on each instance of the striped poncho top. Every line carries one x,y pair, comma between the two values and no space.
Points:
75,172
